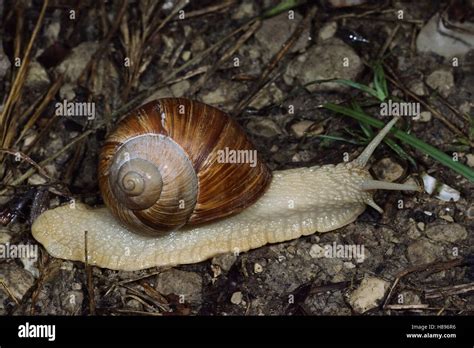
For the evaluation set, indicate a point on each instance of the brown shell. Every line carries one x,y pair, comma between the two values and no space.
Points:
198,131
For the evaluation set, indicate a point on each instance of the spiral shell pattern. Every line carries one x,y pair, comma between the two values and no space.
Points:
159,169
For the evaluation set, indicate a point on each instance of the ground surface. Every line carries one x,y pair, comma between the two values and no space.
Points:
414,256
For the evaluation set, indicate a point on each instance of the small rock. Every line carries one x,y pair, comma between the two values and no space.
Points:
423,251
299,129
16,279
186,55
465,107
198,44
264,127
442,81
179,89
316,251
329,59
76,61
5,237
224,261
36,179
418,87
180,283
276,30
470,213
348,265
448,218
388,170
134,305
424,116
236,298
257,268
37,78
296,158
447,233
421,226
328,30
228,92
67,91
408,297
51,32
470,160
445,41
303,127
368,295
271,94
71,301
245,10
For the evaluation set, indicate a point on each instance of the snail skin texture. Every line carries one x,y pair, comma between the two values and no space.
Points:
251,207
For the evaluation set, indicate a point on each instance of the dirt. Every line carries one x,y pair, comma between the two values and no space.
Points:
422,245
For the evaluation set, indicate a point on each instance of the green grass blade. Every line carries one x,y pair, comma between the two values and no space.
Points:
400,152
337,138
281,7
358,86
380,82
408,139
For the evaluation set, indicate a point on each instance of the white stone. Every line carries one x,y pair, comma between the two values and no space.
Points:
316,251
368,295
236,298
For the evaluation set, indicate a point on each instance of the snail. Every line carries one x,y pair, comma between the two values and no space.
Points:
171,198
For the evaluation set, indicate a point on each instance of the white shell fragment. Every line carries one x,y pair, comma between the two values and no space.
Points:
440,190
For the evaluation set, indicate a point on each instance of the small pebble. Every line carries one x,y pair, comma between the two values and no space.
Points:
236,298
448,218
257,268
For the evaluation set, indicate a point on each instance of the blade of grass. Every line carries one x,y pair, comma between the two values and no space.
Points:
408,139
359,86
364,126
337,138
380,82
282,6
399,151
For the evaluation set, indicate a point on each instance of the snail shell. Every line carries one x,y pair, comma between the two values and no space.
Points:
160,170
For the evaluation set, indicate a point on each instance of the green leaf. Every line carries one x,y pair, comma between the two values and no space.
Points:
408,139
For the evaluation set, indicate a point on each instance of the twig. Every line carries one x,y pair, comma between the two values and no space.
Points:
20,78
101,49
53,89
392,77
172,75
134,312
227,55
209,9
28,159
388,41
275,60
9,293
430,267
407,307
449,290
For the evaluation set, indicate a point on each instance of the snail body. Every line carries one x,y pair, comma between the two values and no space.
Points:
228,207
